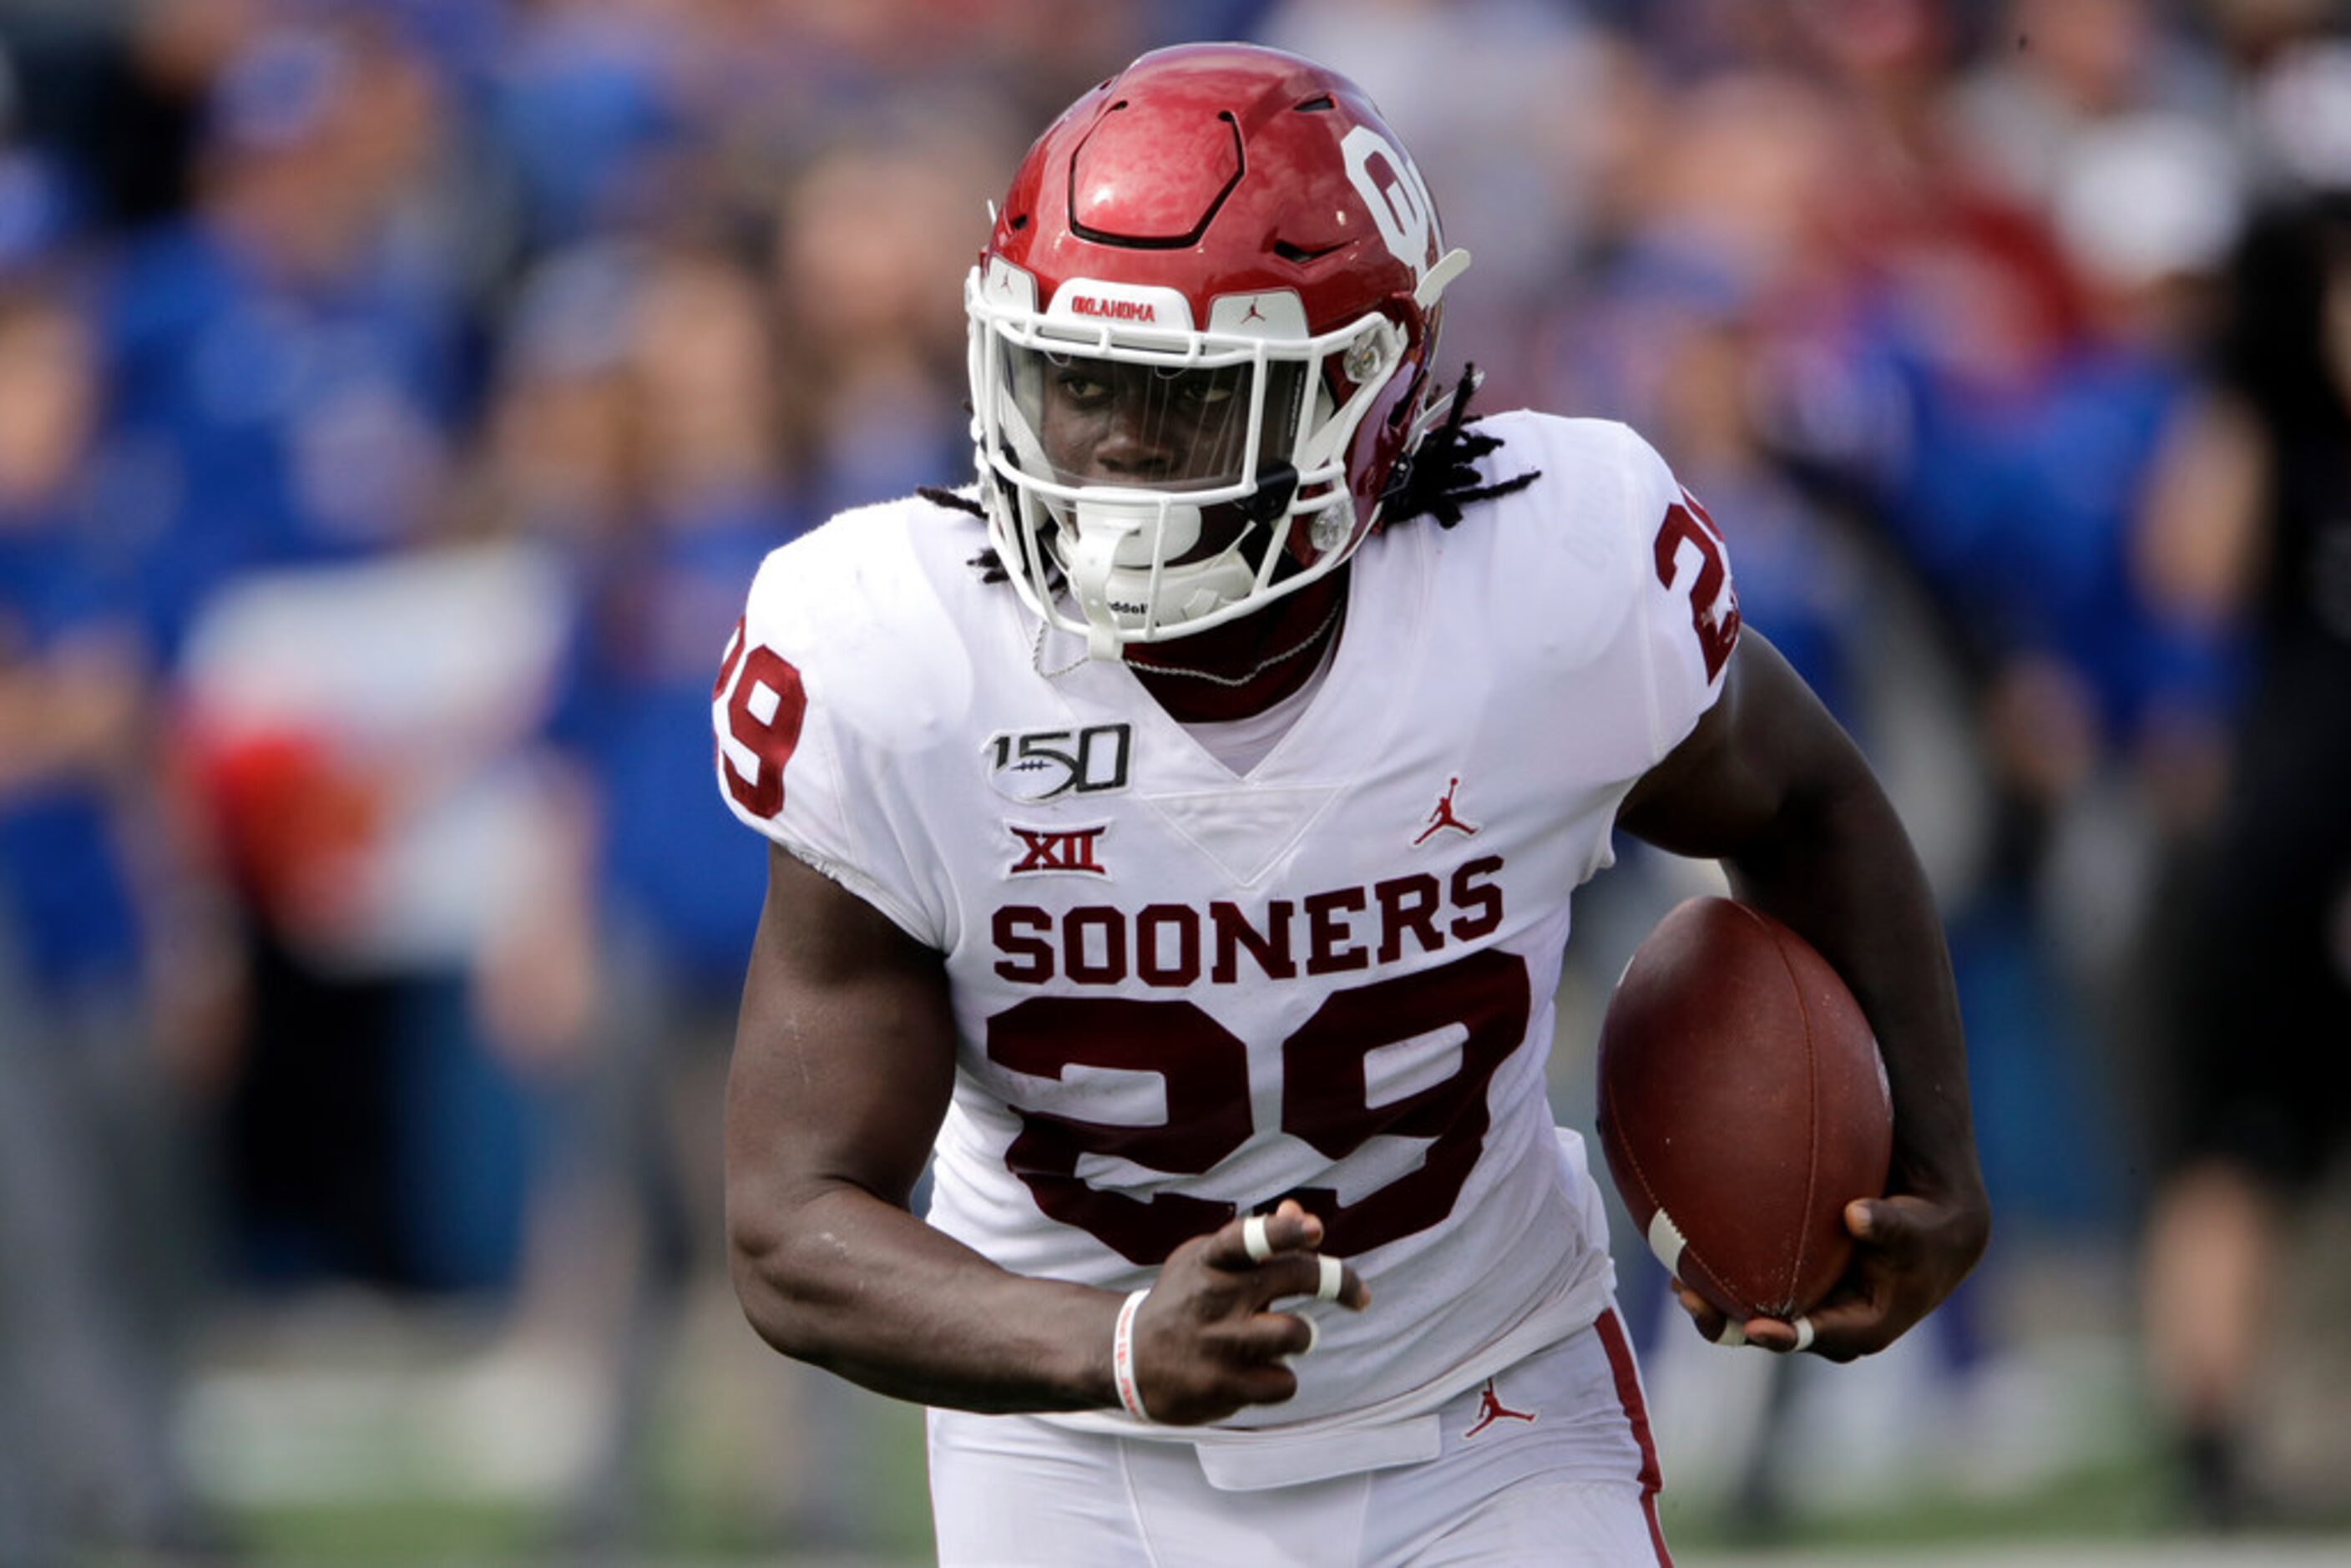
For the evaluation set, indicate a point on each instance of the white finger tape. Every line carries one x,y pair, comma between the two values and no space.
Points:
1666,1241
1803,1333
1313,1336
1334,1275
1253,1240
1734,1333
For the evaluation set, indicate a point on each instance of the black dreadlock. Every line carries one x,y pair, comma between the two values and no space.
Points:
952,500
1441,478
988,563
1435,481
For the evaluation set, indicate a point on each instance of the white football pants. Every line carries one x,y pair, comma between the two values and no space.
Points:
1549,1463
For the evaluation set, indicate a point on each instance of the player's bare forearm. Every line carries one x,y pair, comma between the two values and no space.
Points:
1771,786
860,1287
845,1280
1840,870
844,1062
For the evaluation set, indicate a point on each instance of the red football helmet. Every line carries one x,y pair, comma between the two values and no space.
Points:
1200,341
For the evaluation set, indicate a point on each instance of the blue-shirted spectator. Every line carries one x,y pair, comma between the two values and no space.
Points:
635,428
97,1218
581,107
288,370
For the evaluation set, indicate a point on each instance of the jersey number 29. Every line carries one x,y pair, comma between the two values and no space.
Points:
1327,1101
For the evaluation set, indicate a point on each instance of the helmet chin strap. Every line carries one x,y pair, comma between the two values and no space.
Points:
1108,558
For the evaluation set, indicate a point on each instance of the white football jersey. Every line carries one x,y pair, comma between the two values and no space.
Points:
1182,994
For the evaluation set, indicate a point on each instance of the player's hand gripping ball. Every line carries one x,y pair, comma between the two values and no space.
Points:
1742,1105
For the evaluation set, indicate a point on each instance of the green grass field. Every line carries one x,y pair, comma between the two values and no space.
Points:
2117,1516
355,1433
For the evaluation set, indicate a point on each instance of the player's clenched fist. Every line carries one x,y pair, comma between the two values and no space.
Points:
1204,1343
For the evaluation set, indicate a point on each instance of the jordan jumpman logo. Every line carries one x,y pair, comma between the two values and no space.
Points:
1491,1409
1442,815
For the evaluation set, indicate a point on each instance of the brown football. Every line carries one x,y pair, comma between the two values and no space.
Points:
1742,1105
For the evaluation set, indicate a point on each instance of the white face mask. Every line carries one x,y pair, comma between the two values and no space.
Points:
1112,448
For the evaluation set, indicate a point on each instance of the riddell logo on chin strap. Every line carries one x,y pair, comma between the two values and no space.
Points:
1113,309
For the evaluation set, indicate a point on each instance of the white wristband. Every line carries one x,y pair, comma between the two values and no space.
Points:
1121,1357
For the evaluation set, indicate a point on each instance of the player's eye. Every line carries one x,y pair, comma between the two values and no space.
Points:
1079,386
1201,388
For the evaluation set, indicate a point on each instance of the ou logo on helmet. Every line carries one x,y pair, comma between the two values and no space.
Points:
1391,188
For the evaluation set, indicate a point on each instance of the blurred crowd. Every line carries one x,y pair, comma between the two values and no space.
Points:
396,397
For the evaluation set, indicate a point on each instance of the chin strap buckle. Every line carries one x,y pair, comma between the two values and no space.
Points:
1275,484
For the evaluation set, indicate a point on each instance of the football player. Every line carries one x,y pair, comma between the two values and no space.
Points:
1172,840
